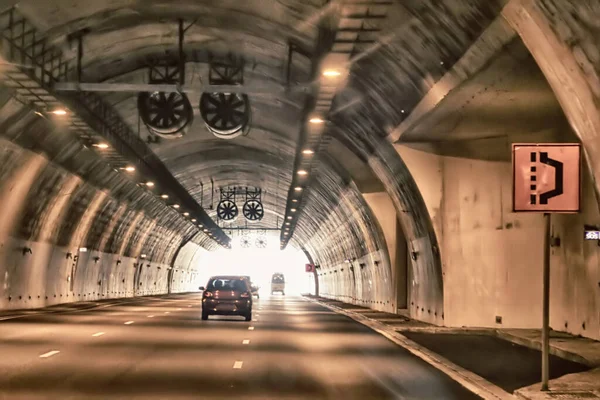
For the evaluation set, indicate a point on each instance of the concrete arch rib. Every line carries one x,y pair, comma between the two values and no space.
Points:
562,38
426,286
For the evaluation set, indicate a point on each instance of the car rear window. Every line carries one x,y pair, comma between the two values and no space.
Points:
278,279
227,284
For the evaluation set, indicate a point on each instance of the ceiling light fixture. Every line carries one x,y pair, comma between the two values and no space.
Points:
287,223
101,146
298,188
294,201
186,214
316,120
290,217
293,210
59,112
302,172
307,151
165,196
150,184
193,219
331,72
175,205
129,168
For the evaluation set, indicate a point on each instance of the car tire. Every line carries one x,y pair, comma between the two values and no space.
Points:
204,316
248,316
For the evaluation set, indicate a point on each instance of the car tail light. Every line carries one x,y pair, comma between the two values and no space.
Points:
207,294
245,294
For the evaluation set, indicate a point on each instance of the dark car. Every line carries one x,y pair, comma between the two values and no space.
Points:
227,295
253,287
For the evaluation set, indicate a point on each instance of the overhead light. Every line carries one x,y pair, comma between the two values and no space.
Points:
293,210
175,205
165,196
205,230
294,200
302,172
83,249
129,168
331,72
298,188
101,145
59,112
307,151
200,225
316,120
143,256
150,184
287,223
193,219
186,214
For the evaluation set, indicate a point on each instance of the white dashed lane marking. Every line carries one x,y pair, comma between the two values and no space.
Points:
150,316
49,354
245,341
128,322
98,334
238,365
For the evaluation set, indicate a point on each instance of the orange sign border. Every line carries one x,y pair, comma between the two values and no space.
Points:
514,177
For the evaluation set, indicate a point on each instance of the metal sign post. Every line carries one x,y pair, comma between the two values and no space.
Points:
546,178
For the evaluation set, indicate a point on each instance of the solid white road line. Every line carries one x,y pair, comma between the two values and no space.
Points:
150,316
238,365
245,341
49,354
128,322
98,334
250,328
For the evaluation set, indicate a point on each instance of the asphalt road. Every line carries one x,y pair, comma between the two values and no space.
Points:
159,348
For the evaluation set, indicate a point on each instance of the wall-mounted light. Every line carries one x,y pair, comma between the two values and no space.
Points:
175,205
101,146
59,111
129,168
316,120
302,172
193,219
186,214
164,196
308,151
150,184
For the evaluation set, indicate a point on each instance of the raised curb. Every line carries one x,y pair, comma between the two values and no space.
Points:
472,382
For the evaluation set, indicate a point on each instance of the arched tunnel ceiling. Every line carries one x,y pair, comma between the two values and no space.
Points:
418,42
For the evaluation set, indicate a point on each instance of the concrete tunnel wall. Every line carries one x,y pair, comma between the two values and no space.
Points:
492,258
50,213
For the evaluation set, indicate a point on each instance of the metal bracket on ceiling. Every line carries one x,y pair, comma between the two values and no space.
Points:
228,70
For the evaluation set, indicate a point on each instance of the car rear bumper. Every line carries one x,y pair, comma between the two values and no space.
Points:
226,307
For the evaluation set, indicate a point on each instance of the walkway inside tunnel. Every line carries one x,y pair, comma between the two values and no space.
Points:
159,348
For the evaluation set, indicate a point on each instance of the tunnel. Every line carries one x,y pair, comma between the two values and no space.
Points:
374,137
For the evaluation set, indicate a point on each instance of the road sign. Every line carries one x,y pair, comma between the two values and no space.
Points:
546,177
309,267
